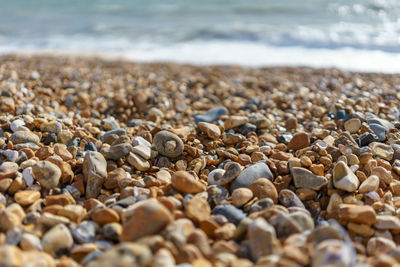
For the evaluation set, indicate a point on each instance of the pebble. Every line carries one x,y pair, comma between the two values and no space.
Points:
103,216
289,199
144,218
385,222
304,178
168,144
138,162
262,239
250,174
264,188
197,209
21,137
300,140
30,242
344,178
233,214
214,176
241,196
370,184
186,183
16,124
116,152
143,151
57,241
381,150
352,125
137,141
47,174
26,197
235,121
232,170
211,115
95,172
332,253
357,214
85,232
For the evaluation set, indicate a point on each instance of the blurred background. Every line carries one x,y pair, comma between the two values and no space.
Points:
349,34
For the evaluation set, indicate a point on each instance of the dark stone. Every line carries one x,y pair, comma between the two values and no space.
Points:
247,128
379,131
262,204
366,139
50,138
89,146
211,115
250,174
118,132
84,232
289,199
233,214
75,142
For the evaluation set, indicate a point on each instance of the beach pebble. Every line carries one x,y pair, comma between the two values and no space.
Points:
241,196
344,178
235,121
382,150
116,152
211,115
8,166
95,172
370,184
380,245
217,194
357,214
262,239
197,209
142,150
332,253
289,199
250,174
385,222
214,176
85,232
352,125
304,178
300,140
233,214
11,256
186,183
138,162
210,129
30,242
137,141
16,124
144,218
168,144
47,174
26,197
106,215
57,241
264,188
232,170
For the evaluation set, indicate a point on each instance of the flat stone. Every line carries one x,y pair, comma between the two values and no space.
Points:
380,245
211,115
264,188
304,178
262,239
385,222
144,218
21,137
235,121
214,176
232,170
26,197
233,214
143,151
289,199
186,183
300,140
118,132
47,174
95,172
27,175
85,232
138,162
137,141
357,214
344,178
210,129
57,241
11,256
250,174
30,242
379,131
370,184
117,152
383,174
106,215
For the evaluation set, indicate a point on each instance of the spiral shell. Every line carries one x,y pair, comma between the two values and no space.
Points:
168,144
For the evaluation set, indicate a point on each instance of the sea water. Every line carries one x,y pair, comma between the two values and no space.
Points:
362,35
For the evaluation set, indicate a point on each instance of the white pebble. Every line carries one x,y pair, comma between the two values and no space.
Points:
214,176
28,176
16,124
140,141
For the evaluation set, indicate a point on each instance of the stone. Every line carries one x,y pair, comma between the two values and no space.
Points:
210,129
232,170
211,115
357,214
250,174
63,152
26,197
138,162
11,256
289,199
124,254
27,175
300,140
379,131
57,241
21,137
137,141
30,242
112,231
117,152
106,215
142,150
217,194
264,188
95,172
85,232
262,239
304,178
344,178
235,121
47,174
168,144
214,176
233,214
15,124
144,218
382,150
380,245
197,209
352,125
241,196
186,183
385,222
370,184
332,253
118,132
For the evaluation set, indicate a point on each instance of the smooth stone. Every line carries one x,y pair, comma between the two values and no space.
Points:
211,115
352,125
138,162
186,183
247,128
11,256
357,214
366,139
232,138
89,146
57,241
264,188
168,144
85,232
284,225
217,194
344,178
396,151
250,174
137,141
95,172
10,155
47,174
304,178
384,123
214,176
15,124
21,137
262,239
241,196
300,140
370,184
30,242
382,150
332,253
233,214
380,245
118,132
261,204
117,152
197,209
124,255
52,126
112,231
26,197
235,121
143,151
379,131
212,130
8,166
289,199
144,218
232,170
385,222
